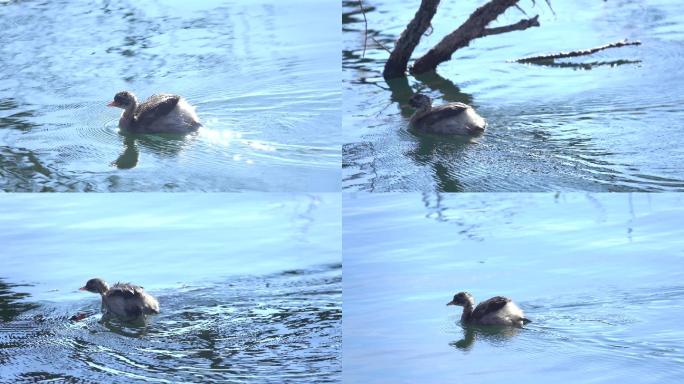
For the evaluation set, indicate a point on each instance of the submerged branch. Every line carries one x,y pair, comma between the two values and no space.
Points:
560,55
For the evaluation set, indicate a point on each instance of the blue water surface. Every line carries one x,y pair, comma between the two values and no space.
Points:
599,275
264,76
249,287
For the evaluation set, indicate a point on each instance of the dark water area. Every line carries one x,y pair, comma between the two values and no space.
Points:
250,288
611,121
266,89
599,275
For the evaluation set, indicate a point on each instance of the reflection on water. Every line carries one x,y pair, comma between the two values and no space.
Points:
578,124
12,303
493,335
596,274
265,87
162,145
250,287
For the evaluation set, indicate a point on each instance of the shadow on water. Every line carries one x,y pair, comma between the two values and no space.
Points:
19,119
493,335
13,304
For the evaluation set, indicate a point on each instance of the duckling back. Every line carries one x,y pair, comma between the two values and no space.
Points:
450,119
129,301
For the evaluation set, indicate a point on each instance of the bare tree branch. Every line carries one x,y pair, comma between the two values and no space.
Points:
519,26
409,39
560,55
471,29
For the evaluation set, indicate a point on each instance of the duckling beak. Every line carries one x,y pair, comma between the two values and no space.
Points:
112,104
451,303
82,289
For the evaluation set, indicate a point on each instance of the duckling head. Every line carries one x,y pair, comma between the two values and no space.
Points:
462,299
123,99
420,101
95,285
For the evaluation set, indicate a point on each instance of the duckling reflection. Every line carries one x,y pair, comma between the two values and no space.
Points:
163,145
496,335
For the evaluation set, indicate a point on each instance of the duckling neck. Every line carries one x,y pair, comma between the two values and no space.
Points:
128,116
425,109
467,313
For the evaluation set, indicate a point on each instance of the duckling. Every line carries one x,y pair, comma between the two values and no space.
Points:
451,118
498,310
124,300
162,113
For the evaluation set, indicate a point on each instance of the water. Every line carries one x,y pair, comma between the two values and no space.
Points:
266,88
249,286
606,122
600,276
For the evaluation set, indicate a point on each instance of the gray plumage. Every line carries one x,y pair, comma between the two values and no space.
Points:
498,310
160,113
451,118
124,300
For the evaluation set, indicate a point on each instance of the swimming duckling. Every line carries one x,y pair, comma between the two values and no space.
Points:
498,310
451,118
123,300
162,113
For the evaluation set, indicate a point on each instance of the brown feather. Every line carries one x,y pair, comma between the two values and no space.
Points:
433,115
155,107
489,306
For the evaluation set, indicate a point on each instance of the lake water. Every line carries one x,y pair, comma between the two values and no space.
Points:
264,76
599,275
607,122
249,287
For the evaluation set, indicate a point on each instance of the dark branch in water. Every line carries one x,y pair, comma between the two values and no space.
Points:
471,29
519,26
551,56
398,61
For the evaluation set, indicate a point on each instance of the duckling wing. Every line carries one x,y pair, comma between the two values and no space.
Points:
440,113
155,107
490,306
126,290
126,300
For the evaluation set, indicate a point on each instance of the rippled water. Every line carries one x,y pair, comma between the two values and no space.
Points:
267,90
249,287
599,275
606,122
